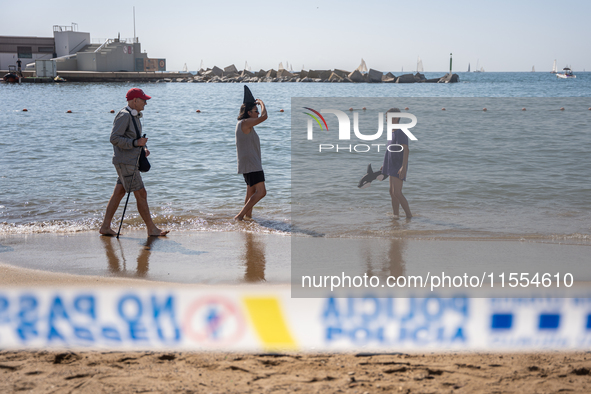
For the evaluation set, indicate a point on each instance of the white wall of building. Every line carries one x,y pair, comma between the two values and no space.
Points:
70,42
116,56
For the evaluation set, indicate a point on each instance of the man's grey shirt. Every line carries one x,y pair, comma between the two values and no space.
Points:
122,138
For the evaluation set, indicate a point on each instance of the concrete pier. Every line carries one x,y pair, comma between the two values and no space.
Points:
92,76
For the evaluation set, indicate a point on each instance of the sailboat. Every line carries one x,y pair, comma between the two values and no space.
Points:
533,69
185,69
554,69
420,65
468,67
481,70
362,67
246,66
280,66
201,66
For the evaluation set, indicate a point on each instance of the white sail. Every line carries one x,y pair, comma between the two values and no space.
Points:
201,66
280,66
420,65
533,69
185,69
362,67
468,67
554,69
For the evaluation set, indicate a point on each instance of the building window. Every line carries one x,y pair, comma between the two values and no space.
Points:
24,52
45,49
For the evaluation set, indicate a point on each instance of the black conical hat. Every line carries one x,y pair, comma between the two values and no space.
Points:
248,97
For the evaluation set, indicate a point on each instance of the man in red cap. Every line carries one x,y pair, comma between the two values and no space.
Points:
127,144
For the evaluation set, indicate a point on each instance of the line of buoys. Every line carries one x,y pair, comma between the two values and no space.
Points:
282,110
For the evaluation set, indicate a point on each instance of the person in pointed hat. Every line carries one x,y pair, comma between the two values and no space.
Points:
248,151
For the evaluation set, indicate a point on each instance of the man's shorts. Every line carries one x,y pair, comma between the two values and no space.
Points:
125,172
252,178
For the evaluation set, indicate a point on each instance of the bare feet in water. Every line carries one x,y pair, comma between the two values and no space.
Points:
156,232
238,218
107,232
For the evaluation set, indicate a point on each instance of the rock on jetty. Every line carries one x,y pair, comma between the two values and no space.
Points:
231,74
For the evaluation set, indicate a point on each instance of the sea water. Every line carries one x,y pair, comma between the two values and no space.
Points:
56,173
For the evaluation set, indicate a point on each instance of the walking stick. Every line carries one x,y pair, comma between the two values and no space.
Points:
137,163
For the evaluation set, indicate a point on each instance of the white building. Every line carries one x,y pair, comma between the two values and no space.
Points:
74,51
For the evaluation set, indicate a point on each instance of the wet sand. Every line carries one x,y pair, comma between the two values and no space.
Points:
181,257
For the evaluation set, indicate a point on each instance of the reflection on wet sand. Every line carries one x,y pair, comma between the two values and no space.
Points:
388,262
114,262
254,259
394,264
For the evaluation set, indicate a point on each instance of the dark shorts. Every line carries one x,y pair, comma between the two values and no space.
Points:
252,178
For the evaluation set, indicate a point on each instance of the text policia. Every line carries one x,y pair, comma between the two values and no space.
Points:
345,131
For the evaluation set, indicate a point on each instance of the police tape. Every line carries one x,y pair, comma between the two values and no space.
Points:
255,319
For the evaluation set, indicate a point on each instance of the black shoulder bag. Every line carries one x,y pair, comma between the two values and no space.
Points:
144,164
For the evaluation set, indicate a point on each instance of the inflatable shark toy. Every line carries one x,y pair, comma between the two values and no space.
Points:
370,177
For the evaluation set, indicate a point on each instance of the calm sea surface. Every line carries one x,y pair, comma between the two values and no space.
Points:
56,173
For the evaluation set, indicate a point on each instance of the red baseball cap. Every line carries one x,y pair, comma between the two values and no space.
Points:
136,93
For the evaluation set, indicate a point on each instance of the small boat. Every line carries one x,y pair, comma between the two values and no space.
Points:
420,65
11,77
468,67
59,79
567,73
533,69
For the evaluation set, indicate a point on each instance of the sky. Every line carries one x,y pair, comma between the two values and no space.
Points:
320,34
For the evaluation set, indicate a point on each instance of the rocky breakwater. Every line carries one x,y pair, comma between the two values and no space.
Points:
232,75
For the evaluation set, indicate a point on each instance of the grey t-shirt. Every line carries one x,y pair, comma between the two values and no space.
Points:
248,150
